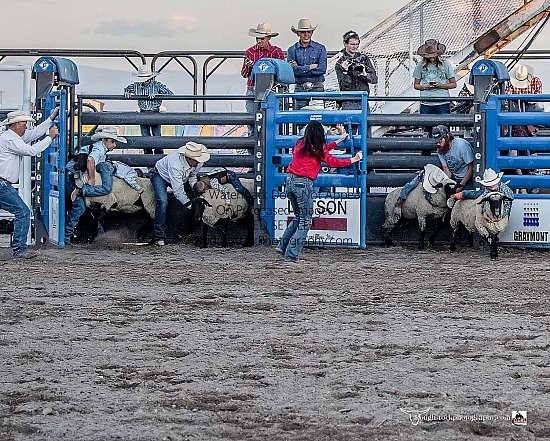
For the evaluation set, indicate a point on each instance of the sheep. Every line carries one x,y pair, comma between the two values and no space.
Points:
213,212
124,198
488,224
416,207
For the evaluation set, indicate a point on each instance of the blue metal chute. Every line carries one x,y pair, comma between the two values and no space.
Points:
66,70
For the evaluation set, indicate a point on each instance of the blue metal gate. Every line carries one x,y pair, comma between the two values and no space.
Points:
277,156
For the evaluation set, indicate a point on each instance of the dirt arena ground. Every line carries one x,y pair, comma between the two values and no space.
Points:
141,343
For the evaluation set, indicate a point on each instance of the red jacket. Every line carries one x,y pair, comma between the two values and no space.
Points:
308,167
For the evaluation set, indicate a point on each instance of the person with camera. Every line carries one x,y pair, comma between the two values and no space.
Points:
354,69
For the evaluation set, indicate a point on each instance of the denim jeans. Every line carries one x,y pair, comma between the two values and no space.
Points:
407,188
236,183
161,205
150,131
77,209
302,103
12,202
299,192
106,170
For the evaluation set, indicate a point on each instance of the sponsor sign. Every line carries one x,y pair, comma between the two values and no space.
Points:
336,220
529,223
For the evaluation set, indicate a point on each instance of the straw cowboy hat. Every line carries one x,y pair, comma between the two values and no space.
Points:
17,116
303,25
521,75
490,178
108,133
431,48
195,151
434,177
145,73
262,30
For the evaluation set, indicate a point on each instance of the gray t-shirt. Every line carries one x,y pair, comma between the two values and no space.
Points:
432,73
458,157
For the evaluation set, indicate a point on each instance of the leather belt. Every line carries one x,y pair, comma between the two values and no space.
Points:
301,177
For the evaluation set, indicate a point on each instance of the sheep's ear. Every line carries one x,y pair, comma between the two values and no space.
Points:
507,198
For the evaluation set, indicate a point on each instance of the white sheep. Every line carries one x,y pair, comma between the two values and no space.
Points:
124,198
488,223
215,213
417,206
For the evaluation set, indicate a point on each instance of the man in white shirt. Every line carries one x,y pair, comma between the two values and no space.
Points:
174,170
14,145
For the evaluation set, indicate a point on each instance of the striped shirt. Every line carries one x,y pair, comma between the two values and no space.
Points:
153,88
254,53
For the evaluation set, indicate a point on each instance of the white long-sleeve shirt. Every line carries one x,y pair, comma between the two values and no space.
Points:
175,170
14,147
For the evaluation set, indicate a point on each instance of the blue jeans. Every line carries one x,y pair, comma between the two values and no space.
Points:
78,207
150,131
106,170
302,103
12,202
407,188
236,183
438,109
299,192
161,205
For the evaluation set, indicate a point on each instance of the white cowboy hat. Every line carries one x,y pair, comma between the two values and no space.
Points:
521,75
262,30
108,133
303,25
490,177
314,105
195,151
145,73
17,116
434,177
431,48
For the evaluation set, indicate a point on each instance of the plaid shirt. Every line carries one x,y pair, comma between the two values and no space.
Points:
254,53
534,88
155,88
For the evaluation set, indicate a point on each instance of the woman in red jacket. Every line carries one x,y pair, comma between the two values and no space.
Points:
309,153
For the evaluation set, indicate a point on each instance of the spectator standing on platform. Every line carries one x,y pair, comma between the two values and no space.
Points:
14,145
308,60
262,49
354,69
148,86
433,77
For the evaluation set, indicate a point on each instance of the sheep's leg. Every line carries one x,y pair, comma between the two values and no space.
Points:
493,241
453,239
224,227
438,228
422,227
204,239
249,241
386,237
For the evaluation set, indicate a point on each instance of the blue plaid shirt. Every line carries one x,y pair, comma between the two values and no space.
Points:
155,88
313,53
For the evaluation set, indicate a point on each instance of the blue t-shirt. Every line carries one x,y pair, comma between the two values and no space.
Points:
458,157
433,73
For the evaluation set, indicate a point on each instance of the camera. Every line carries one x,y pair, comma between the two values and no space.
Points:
357,68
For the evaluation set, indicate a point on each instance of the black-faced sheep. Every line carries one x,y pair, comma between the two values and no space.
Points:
215,213
486,215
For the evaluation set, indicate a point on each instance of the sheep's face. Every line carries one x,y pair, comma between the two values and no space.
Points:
494,202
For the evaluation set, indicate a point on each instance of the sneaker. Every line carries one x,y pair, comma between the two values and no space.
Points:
278,250
287,260
160,243
397,207
74,194
451,202
26,255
